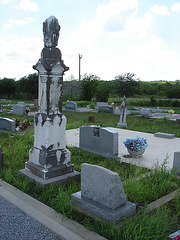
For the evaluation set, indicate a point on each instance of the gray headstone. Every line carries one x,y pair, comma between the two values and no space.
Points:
99,140
70,106
18,109
176,161
2,100
164,135
101,104
102,194
1,108
36,104
102,186
145,113
7,124
1,158
21,103
108,109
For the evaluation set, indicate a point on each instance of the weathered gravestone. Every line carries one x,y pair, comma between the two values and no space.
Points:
123,112
1,108
1,158
2,100
18,109
176,161
145,113
102,194
71,106
7,124
98,104
49,159
99,140
21,103
36,103
108,109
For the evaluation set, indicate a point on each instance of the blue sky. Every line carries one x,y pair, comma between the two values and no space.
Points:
113,36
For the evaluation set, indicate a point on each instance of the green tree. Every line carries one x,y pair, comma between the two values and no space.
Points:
103,91
8,88
28,86
127,84
89,85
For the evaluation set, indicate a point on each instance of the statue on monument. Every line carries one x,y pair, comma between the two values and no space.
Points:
51,30
123,109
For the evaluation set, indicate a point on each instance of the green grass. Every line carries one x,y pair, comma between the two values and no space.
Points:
136,123
155,225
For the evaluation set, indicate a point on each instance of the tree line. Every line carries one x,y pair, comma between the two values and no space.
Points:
91,87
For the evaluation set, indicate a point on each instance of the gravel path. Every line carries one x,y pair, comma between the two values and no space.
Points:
17,225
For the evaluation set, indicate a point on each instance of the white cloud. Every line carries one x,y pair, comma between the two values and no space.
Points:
160,10
176,7
27,5
12,22
18,55
6,1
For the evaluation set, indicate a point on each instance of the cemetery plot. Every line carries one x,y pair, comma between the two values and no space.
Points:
59,197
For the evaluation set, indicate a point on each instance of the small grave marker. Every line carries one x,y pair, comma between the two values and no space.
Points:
105,108
7,124
176,161
102,194
72,106
18,109
164,135
1,158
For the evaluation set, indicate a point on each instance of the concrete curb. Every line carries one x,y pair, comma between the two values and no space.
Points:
59,224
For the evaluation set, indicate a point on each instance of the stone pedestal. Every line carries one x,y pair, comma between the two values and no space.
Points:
121,124
49,159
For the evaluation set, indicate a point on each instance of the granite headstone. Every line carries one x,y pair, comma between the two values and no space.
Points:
102,194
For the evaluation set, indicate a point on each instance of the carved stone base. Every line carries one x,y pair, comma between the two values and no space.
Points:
60,180
47,173
120,124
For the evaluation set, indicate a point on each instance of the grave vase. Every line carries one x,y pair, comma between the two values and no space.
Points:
135,154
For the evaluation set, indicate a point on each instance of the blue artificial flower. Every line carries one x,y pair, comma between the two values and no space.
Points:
137,144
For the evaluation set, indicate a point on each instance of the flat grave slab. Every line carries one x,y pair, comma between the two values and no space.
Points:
164,135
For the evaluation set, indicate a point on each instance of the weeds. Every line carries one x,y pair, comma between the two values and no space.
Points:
155,225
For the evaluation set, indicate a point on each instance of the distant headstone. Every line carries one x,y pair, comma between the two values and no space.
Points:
123,112
7,124
36,104
1,158
98,104
91,118
145,113
102,194
21,103
2,100
99,140
1,108
18,109
72,106
164,135
176,161
106,108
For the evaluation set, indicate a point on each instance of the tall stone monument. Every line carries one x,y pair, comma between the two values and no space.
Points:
123,112
49,159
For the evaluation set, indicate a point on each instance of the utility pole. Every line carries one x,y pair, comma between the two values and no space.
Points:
80,56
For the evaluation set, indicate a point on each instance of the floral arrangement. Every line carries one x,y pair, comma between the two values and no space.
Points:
137,144
171,111
20,126
114,104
